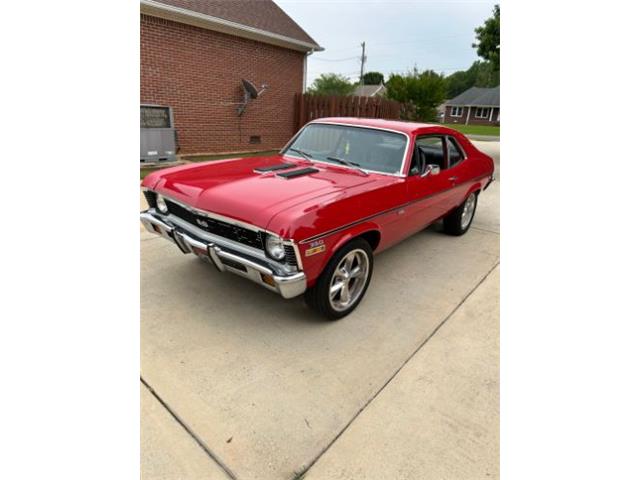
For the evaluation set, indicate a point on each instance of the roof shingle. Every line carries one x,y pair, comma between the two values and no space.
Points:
261,14
477,96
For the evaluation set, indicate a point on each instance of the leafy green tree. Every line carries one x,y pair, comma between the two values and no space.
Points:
422,92
484,74
480,74
373,78
488,37
458,82
331,84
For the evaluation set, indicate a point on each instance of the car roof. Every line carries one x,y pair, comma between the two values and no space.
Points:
397,125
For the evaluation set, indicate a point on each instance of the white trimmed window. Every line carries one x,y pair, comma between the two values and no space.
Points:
456,111
482,112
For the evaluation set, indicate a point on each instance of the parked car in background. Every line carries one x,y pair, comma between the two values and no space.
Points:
309,219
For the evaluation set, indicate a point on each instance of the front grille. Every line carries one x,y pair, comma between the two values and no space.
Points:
290,255
238,234
151,198
223,229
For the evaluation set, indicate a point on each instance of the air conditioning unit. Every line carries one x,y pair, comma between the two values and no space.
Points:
158,136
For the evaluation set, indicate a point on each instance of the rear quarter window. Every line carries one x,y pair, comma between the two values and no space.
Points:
455,152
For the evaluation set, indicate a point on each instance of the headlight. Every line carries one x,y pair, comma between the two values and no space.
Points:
160,203
275,248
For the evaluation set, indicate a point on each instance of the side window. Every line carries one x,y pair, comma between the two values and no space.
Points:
429,150
455,152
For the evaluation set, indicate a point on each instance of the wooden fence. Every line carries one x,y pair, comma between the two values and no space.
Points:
309,107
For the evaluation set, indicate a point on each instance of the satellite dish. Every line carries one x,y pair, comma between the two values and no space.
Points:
250,89
250,93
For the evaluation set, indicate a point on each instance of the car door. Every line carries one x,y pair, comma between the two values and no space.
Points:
427,193
456,173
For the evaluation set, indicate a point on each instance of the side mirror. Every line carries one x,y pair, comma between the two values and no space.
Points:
431,169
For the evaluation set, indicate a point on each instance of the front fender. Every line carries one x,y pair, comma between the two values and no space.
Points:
314,264
351,233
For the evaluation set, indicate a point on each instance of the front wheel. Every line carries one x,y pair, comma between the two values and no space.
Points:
459,221
343,282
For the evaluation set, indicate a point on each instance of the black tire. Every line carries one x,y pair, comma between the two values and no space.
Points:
453,224
317,297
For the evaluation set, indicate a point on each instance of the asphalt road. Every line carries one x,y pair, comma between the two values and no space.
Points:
238,383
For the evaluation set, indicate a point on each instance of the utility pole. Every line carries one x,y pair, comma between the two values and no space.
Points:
363,58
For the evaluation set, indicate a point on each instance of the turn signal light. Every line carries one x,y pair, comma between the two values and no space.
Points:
268,279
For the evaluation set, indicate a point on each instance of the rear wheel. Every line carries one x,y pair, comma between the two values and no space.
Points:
459,221
343,282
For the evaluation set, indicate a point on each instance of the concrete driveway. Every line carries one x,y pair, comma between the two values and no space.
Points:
238,383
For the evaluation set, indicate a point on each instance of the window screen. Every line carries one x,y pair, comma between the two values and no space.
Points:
154,117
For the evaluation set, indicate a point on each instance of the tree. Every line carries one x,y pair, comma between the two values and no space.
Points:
331,84
488,37
423,92
458,82
480,74
373,78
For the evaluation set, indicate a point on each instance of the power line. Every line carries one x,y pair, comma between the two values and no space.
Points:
405,41
335,59
419,40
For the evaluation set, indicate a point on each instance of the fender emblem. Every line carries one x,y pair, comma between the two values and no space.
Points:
314,250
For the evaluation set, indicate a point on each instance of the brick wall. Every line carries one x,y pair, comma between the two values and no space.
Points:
195,70
472,119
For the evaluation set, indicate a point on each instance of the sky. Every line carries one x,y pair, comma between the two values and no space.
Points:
399,35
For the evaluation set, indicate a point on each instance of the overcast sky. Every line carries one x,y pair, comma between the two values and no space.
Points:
399,34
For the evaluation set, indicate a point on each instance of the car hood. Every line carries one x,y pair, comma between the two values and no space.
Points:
232,188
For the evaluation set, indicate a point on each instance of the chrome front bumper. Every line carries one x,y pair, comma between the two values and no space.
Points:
225,257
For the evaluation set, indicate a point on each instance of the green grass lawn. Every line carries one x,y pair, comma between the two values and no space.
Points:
475,129
206,158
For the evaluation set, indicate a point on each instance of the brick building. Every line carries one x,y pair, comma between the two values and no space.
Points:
194,55
476,106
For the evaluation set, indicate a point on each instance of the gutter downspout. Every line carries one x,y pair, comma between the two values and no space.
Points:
304,70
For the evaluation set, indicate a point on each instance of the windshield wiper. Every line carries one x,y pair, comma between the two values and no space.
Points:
307,156
348,163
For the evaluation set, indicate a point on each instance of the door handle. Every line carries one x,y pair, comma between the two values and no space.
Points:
453,179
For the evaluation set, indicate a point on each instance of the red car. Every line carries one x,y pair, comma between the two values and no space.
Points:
309,219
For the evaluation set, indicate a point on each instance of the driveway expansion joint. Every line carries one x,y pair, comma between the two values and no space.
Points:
189,431
300,475
485,230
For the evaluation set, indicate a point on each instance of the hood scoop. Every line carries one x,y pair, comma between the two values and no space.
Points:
271,168
297,173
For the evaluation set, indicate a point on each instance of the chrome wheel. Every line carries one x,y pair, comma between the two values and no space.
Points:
348,280
467,211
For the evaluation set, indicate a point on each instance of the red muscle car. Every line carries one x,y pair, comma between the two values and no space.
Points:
309,219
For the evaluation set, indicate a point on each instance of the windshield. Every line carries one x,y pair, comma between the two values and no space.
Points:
369,149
